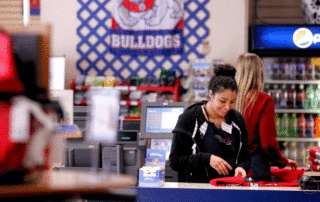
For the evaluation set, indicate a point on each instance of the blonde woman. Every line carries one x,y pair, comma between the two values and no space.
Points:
258,110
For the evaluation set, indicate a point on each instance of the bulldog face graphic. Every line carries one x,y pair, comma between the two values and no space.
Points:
147,14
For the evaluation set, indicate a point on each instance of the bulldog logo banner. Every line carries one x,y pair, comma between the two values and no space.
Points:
147,27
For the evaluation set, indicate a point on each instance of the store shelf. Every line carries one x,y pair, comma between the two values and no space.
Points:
130,88
80,102
122,102
292,82
299,139
297,111
129,117
133,88
174,89
130,103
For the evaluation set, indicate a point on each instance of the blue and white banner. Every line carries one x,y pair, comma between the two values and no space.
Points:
147,27
286,37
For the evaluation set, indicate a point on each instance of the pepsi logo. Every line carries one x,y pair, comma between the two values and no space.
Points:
302,38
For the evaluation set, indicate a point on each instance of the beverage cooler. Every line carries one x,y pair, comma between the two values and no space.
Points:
291,57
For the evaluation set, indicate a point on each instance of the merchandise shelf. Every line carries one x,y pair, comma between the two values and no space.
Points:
292,81
174,89
299,139
297,111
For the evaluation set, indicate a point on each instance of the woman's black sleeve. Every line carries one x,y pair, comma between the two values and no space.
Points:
244,156
181,157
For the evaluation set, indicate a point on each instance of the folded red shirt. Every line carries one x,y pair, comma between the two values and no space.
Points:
315,167
227,180
314,151
288,175
314,160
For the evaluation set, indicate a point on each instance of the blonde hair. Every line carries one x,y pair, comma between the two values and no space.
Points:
250,80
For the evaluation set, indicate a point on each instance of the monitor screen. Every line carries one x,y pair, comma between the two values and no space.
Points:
159,119
162,119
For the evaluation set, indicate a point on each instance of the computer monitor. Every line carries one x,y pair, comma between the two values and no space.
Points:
159,119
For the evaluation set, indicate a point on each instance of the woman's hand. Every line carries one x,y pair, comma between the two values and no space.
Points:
292,164
240,172
220,165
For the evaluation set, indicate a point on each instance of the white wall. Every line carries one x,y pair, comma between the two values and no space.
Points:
227,23
62,15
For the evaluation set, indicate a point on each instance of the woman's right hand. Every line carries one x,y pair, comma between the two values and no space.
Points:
220,165
292,164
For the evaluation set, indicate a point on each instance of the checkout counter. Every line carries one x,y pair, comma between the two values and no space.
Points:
132,146
154,131
195,192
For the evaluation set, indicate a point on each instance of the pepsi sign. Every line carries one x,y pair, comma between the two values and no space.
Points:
286,37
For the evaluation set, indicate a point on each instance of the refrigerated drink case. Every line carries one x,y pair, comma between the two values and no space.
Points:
292,78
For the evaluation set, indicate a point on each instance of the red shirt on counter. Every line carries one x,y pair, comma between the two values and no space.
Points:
262,130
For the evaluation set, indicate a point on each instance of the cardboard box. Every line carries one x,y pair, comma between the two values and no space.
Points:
153,173
151,176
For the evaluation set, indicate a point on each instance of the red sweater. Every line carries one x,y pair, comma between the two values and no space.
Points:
262,130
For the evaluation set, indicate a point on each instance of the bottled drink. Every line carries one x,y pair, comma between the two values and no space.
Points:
277,123
317,72
275,71
275,94
302,126
293,126
292,97
308,102
286,151
294,151
292,68
268,71
283,97
316,98
266,89
301,95
304,154
317,126
310,126
310,70
286,69
282,70
284,124
301,70
301,153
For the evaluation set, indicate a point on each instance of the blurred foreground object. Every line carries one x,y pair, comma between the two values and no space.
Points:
28,120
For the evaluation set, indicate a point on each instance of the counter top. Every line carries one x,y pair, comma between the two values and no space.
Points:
182,185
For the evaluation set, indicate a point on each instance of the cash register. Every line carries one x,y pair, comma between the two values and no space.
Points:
157,122
126,157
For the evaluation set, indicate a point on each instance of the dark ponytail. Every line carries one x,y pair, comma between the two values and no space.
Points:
223,79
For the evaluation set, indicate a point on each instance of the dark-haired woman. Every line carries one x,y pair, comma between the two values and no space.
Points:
211,139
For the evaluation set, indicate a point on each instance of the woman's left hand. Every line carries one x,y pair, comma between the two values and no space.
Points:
240,172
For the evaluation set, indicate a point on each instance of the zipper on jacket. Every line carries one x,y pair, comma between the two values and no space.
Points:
195,131
239,148
237,127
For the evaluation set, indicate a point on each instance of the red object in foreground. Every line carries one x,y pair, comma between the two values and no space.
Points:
9,79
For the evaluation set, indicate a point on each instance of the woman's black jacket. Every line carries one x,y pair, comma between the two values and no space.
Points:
188,155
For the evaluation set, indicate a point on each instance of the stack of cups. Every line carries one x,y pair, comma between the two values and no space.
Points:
314,153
